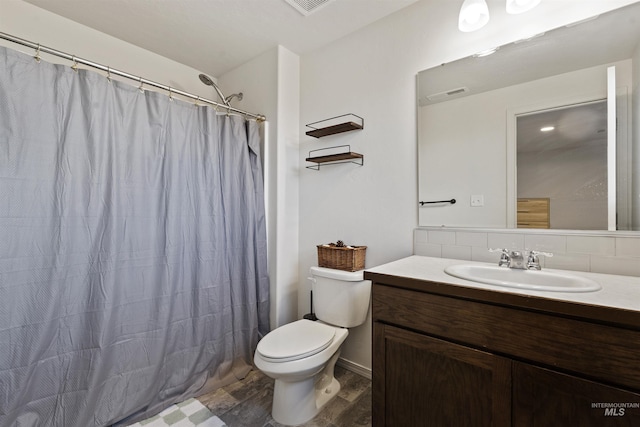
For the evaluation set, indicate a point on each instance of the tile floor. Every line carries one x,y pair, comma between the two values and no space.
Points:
247,403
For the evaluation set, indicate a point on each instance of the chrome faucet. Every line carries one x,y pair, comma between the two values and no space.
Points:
515,259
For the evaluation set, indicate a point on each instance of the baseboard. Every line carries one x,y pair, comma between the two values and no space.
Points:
354,367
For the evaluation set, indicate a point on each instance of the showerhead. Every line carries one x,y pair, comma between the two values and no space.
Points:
209,82
234,95
206,80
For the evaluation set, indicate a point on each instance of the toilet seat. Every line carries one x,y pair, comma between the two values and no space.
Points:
296,340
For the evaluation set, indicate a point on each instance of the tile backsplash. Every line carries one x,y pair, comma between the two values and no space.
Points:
597,252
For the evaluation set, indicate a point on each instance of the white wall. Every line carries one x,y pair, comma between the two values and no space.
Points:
372,73
288,177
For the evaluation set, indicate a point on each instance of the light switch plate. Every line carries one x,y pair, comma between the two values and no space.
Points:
477,200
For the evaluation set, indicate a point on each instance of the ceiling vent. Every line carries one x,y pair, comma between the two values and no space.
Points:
306,7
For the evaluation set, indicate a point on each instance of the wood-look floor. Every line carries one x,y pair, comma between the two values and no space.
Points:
247,403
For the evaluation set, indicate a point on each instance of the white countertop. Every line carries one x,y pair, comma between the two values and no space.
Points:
622,292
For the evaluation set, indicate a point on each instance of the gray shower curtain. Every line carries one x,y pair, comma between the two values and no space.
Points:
132,247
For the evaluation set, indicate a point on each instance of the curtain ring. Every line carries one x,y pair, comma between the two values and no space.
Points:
74,67
197,99
170,94
109,74
37,57
140,88
228,111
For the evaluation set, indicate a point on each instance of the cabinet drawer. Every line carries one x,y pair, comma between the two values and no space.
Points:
594,351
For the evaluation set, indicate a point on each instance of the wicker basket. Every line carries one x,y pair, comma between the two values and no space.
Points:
342,258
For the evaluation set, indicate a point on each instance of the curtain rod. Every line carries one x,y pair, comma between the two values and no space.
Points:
76,60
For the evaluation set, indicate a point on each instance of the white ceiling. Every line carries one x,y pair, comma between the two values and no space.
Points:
216,36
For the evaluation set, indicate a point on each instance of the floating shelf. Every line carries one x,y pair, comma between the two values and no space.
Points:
335,158
334,125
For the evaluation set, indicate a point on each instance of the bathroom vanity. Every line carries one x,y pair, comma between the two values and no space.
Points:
451,352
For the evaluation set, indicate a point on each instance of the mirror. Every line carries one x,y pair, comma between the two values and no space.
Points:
480,139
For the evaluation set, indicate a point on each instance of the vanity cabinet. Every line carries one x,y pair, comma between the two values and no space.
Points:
445,355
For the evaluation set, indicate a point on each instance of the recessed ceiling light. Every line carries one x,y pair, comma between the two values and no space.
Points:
547,129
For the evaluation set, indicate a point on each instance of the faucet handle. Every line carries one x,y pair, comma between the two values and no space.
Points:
537,253
533,263
504,251
505,258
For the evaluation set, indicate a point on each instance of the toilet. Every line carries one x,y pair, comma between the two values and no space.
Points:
301,355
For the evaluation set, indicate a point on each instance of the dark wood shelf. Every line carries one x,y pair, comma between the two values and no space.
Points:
335,157
332,130
348,157
334,125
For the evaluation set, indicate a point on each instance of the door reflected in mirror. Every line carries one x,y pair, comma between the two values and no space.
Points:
562,167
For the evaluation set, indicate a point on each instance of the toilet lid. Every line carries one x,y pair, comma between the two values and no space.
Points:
296,340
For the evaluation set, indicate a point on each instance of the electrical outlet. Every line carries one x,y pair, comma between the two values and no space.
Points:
477,200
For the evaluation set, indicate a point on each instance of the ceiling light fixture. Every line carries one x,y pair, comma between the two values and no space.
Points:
474,14
520,6
547,129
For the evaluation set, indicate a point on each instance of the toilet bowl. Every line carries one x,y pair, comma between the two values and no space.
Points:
304,381
301,355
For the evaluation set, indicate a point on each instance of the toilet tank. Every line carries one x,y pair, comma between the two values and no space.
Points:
340,298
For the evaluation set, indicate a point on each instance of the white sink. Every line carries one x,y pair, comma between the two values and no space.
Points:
538,280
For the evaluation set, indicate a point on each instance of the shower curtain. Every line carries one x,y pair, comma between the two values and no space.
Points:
132,247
